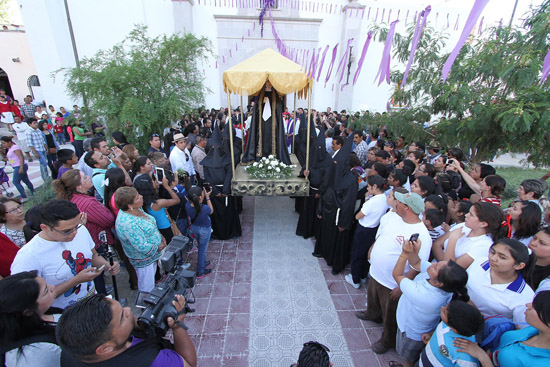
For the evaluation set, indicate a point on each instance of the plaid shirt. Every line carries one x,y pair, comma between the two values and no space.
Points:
28,110
362,151
35,138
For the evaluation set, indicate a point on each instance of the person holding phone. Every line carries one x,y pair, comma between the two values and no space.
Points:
383,292
200,224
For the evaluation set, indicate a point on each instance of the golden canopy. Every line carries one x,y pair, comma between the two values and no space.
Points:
249,76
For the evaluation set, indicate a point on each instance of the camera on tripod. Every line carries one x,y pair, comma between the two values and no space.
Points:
158,303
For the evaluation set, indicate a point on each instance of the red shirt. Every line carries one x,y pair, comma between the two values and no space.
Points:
8,250
99,217
495,200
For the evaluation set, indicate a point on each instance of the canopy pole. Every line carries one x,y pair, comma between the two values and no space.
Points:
294,123
259,153
242,124
230,123
274,124
308,124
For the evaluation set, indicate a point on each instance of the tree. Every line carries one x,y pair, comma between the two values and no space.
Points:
142,84
491,100
4,16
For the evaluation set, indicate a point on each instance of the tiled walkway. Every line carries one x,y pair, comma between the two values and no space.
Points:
267,296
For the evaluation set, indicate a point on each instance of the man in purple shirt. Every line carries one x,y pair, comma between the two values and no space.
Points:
97,331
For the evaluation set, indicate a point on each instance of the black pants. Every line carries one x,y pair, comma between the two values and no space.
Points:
362,241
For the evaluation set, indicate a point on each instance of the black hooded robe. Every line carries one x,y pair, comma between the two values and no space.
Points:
251,152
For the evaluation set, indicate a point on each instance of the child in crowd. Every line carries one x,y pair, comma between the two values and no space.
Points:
458,320
58,128
66,158
433,219
524,217
420,304
491,187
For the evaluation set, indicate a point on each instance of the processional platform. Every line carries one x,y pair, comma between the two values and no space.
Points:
243,185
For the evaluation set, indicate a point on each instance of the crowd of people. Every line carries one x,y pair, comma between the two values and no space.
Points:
440,258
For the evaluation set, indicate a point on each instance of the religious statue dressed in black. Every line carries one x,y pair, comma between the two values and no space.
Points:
266,135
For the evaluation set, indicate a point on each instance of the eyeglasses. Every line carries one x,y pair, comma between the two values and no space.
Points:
69,231
14,209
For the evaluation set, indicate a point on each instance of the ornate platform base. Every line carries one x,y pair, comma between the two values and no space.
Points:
243,185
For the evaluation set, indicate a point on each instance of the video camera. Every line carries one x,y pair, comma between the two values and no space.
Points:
178,280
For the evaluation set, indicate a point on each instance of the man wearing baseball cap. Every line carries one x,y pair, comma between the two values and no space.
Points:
383,291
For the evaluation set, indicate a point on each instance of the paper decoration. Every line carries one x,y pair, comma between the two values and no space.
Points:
329,71
363,53
416,38
384,69
322,62
545,68
476,11
343,61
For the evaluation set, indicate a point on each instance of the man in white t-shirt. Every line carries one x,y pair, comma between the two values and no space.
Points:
21,129
383,291
63,253
181,158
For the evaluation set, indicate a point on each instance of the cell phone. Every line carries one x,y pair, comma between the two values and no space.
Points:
414,237
161,170
100,269
450,161
206,186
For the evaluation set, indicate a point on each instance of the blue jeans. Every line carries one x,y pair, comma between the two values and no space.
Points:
42,158
202,234
17,178
60,138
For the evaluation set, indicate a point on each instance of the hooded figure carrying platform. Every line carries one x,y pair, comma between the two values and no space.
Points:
218,173
336,210
266,135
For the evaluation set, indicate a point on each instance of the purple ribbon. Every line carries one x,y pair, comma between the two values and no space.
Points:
383,12
447,20
376,17
389,16
457,18
342,63
363,53
545,68
368,14
384,69
406,17
416,38
329,71
436,16
476,11
322,62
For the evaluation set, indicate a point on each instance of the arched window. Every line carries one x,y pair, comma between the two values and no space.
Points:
33,81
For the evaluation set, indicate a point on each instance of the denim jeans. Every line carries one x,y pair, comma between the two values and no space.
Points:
60,138
203,237
17,178
42,158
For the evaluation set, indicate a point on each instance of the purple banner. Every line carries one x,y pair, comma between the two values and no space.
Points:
545,68
416,38
322,62
476,11
384,69
363,53
329,71
481,25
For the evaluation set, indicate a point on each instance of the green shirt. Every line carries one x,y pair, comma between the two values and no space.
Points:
80,130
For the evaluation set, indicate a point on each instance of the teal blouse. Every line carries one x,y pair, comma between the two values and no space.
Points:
140,238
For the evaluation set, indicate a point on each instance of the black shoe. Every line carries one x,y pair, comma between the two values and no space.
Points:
335,272
379,347
362,315
133,286
207,263
316,254
206,272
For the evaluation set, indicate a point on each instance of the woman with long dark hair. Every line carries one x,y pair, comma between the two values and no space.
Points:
524,217
27,333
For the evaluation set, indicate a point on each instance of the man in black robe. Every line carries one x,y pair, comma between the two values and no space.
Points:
336,211
308,222
217,172
260,134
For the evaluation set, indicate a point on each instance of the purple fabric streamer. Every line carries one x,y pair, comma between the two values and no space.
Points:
476,11
368,14
406,17
376,17
322,62
223,58
363,53
416,38
329,71
457,18
383,12
384,69
545,68
448,21
415,14
363,13
342,64
398,13
236,47
481,25
500,23
389,16
436,16
311,69
230,55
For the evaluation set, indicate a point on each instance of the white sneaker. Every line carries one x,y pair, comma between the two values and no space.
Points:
349,279
24,200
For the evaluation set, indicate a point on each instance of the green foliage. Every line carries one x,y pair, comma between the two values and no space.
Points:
4,16
491,101
41,195
142,84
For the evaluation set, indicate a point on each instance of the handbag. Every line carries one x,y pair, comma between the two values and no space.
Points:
52,150
175,230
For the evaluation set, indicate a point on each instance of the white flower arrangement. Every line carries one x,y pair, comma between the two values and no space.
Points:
269,168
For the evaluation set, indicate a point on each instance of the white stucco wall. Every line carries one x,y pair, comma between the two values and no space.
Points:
99,24
15,45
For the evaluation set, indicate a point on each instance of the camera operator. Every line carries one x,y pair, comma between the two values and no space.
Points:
98,332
